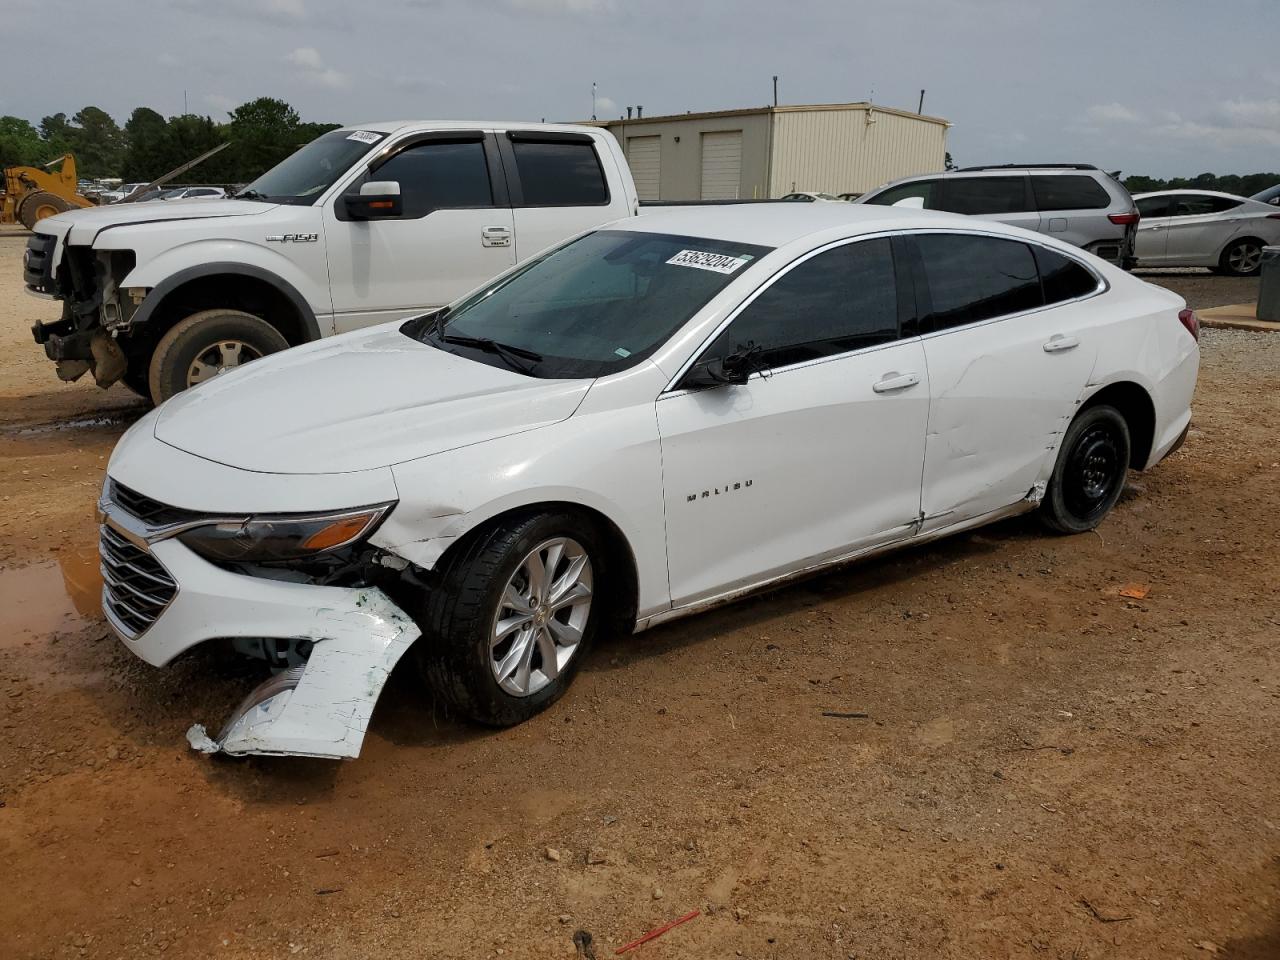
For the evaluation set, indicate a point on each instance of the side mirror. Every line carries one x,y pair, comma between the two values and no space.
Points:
722,371
377,200
912,203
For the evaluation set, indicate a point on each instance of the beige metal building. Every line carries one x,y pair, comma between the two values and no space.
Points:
768,152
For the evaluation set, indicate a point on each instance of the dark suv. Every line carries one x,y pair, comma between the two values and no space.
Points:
1077,202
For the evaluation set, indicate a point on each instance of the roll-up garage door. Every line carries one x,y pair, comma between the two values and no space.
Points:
644,156
721,165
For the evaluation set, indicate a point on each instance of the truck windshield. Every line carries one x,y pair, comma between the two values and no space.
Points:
596,305
302,176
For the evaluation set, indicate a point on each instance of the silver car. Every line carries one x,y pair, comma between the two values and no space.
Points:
1203,228
1077,202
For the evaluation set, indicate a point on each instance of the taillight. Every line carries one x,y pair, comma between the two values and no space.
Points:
1124,219
1191,322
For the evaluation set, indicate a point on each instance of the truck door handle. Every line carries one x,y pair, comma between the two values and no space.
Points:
495,237
1058,343
895,381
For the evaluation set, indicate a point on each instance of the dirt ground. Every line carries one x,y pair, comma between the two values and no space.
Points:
1047,768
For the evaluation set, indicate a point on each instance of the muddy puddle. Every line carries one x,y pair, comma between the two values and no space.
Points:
49,597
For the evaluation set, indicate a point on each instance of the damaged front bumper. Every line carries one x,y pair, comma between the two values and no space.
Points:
319,709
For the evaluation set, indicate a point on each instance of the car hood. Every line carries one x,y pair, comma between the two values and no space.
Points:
356,402
85,224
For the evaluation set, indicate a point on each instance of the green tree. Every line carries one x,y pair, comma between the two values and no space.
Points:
186,138
94,138
262,133
20,143
146,133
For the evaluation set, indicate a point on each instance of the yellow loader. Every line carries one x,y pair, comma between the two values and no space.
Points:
33,193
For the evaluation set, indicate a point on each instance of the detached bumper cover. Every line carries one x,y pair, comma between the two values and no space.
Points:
321,709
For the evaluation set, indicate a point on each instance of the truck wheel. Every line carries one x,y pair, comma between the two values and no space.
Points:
139,381
36,206
206,343
509,624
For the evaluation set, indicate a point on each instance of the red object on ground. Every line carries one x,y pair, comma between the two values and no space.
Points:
658,932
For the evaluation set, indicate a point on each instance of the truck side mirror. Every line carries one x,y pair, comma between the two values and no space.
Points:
377,200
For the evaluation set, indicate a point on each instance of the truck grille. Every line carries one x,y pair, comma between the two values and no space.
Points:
151,512
37,263
136,588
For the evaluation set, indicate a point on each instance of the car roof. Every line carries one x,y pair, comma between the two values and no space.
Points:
403,126
1189,191
776,224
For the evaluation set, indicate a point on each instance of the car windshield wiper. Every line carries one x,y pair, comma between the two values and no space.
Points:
247,194
517,358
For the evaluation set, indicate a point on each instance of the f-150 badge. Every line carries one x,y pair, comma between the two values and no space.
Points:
293,238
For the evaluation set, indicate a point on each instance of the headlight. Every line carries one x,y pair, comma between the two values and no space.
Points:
263,539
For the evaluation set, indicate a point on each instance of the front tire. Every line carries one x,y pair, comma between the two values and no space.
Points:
206,343
508,624
1242,258
1090,472
36,206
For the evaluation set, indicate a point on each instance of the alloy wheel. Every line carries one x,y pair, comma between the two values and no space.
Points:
541,616
220,356
1244,258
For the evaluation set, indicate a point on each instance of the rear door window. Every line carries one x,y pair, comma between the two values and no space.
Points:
560,173
972,278
1193,205
1061,277
985,195
840,300
1065,191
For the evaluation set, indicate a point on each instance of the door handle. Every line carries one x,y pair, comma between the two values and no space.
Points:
1058,343
895,381
495,237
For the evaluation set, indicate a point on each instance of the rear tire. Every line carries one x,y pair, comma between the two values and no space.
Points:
1090,472
36,206
1242,257
205,344
474,630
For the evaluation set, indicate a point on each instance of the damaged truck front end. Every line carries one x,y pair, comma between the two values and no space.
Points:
95,309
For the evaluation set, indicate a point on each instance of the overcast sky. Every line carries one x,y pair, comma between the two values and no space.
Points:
1165,87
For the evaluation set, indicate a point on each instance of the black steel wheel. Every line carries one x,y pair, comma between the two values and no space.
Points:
1090,472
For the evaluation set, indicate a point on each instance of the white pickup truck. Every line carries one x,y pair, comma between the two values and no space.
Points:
364,224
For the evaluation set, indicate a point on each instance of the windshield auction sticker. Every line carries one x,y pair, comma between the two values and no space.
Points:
365,136
701,260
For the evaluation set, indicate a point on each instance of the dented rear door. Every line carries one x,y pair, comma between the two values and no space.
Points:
1005,374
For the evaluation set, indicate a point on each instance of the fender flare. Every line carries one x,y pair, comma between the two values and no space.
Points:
170,283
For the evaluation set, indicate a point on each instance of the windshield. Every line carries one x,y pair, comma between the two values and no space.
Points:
301,177
596,305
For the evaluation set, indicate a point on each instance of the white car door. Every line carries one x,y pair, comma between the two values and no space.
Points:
1005,371
815,457
454,233
1153,230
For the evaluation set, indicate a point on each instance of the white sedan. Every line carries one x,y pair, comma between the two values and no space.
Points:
651,419
1202,228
